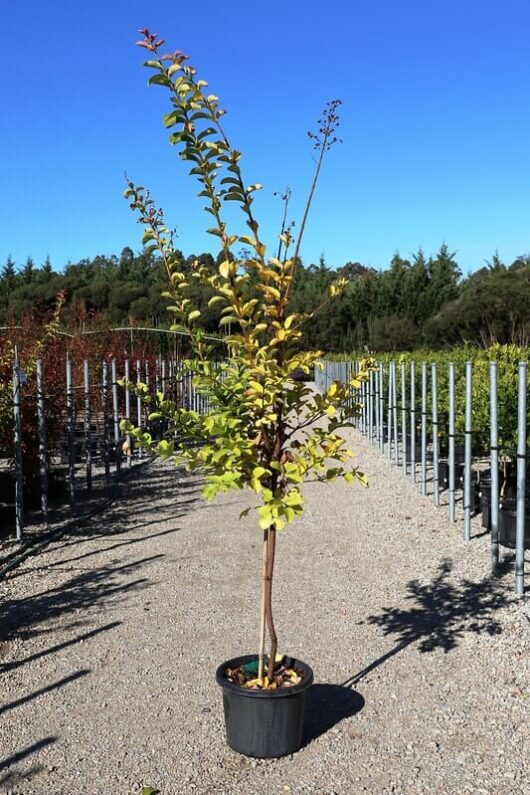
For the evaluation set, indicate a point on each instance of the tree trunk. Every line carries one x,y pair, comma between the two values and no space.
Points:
271,550
261,648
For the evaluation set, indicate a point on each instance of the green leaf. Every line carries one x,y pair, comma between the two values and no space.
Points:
159,80
171,118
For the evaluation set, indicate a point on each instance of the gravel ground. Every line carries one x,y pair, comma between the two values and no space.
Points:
111,638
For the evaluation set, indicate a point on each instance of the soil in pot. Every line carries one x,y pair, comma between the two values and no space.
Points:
264,723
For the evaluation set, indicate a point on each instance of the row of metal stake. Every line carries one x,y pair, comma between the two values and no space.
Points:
379,397
167,378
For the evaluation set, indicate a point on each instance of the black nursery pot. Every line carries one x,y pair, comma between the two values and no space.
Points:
264,723
508,523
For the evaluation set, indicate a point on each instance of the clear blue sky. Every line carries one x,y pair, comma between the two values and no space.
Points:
435,122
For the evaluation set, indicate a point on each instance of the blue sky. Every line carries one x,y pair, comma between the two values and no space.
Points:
435,123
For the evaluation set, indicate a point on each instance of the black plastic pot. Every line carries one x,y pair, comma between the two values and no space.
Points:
485,495
508,523
443,472
264,723
417,452
485,503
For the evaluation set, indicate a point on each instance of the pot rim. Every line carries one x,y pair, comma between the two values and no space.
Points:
283,692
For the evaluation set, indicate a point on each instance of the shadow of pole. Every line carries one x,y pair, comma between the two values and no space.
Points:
30,749
10,666
55,686
31,616
99,551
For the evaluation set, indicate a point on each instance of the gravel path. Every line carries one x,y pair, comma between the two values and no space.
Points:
111,639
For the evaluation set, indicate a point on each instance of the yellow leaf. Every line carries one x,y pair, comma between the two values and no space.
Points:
257,682
225,269
270,291
215,299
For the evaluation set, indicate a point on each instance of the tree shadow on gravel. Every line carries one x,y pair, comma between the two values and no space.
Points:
141,498
327,705
27,616
441,613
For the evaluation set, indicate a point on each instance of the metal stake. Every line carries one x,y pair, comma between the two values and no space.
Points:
115,414
452,517
413,421
395,413
382,407
139,402
105,401
494,468
389,414
468,450
377,429
127,378
43,461
70,430
163,376
521,481
88,430
17,414
404,416
435,441
424,428
370,407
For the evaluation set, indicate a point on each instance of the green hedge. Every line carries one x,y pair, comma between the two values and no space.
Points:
507,358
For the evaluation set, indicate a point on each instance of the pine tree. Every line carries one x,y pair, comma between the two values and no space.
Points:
9,275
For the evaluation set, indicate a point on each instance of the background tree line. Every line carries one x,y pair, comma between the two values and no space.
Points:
414,302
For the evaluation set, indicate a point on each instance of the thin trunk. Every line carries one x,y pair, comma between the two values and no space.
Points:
268,608
261,652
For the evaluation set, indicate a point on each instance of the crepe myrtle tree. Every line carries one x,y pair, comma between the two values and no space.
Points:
265,429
